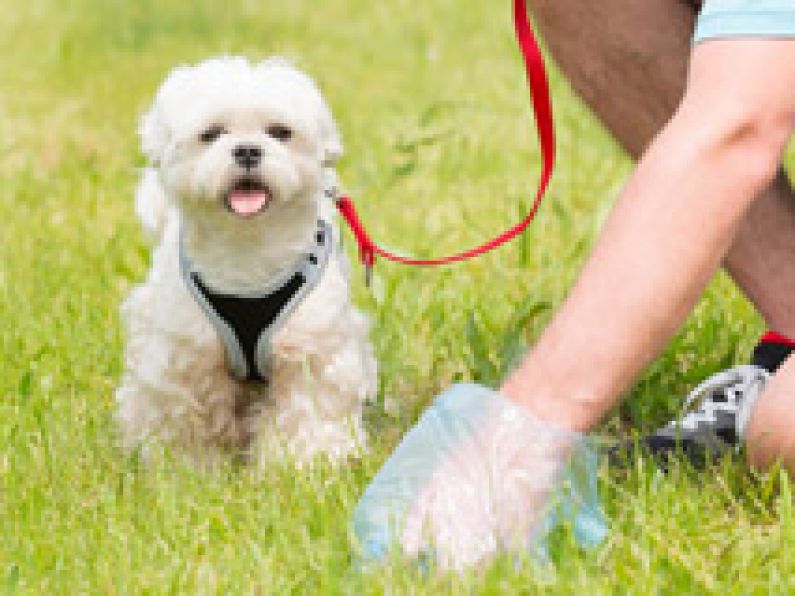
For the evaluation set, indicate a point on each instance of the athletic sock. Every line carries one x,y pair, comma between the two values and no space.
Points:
772,350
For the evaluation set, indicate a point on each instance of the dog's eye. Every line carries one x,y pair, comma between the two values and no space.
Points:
212,133
280,132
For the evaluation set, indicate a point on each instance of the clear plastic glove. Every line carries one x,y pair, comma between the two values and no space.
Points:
475,475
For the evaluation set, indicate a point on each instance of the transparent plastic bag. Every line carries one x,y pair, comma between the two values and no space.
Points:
476,475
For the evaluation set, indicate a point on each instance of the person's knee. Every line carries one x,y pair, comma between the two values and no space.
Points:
743,133
758,137
739,101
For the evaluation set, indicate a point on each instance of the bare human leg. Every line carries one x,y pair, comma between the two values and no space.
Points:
628,60
770,435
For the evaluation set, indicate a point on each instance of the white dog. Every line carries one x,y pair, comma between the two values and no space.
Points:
243,338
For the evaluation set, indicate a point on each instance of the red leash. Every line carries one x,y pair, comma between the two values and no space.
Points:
542,106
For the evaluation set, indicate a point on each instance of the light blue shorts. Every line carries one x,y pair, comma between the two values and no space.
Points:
722,19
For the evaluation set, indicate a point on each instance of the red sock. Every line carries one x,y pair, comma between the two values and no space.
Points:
773,337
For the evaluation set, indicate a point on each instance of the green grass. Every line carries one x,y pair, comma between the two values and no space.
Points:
441,153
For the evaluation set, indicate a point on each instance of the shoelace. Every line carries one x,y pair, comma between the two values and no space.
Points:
745,381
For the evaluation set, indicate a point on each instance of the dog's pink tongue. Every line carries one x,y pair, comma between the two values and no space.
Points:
247,202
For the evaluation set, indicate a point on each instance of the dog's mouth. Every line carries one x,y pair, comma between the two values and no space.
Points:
248,197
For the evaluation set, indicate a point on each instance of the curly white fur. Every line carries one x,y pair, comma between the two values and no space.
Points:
176,391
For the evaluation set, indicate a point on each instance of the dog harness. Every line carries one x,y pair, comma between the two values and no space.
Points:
247,323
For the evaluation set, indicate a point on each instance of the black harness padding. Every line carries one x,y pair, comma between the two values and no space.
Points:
246,324
250,317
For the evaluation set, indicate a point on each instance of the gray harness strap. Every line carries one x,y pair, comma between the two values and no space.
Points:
247,323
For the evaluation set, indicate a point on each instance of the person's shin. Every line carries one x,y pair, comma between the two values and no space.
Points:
770,436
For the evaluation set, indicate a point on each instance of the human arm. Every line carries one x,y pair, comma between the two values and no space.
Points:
663,241
667,234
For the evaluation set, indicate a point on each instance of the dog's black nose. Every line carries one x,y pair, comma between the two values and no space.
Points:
247,156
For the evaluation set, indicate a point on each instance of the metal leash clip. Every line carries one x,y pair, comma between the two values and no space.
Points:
332,192
368,275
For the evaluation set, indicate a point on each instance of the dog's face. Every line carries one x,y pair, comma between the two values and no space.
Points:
240,137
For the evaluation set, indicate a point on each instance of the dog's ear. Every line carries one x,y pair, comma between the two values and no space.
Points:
153,129
154,135
151,203
330,138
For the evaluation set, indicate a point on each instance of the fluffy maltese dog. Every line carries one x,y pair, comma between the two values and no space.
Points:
243,339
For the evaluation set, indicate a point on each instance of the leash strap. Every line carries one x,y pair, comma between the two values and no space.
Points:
542,107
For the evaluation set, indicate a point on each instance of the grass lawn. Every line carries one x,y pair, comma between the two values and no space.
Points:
441,153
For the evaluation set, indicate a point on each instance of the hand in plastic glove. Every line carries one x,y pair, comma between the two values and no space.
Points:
475,475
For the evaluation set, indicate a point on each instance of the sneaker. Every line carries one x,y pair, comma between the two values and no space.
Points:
713,418
715,414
